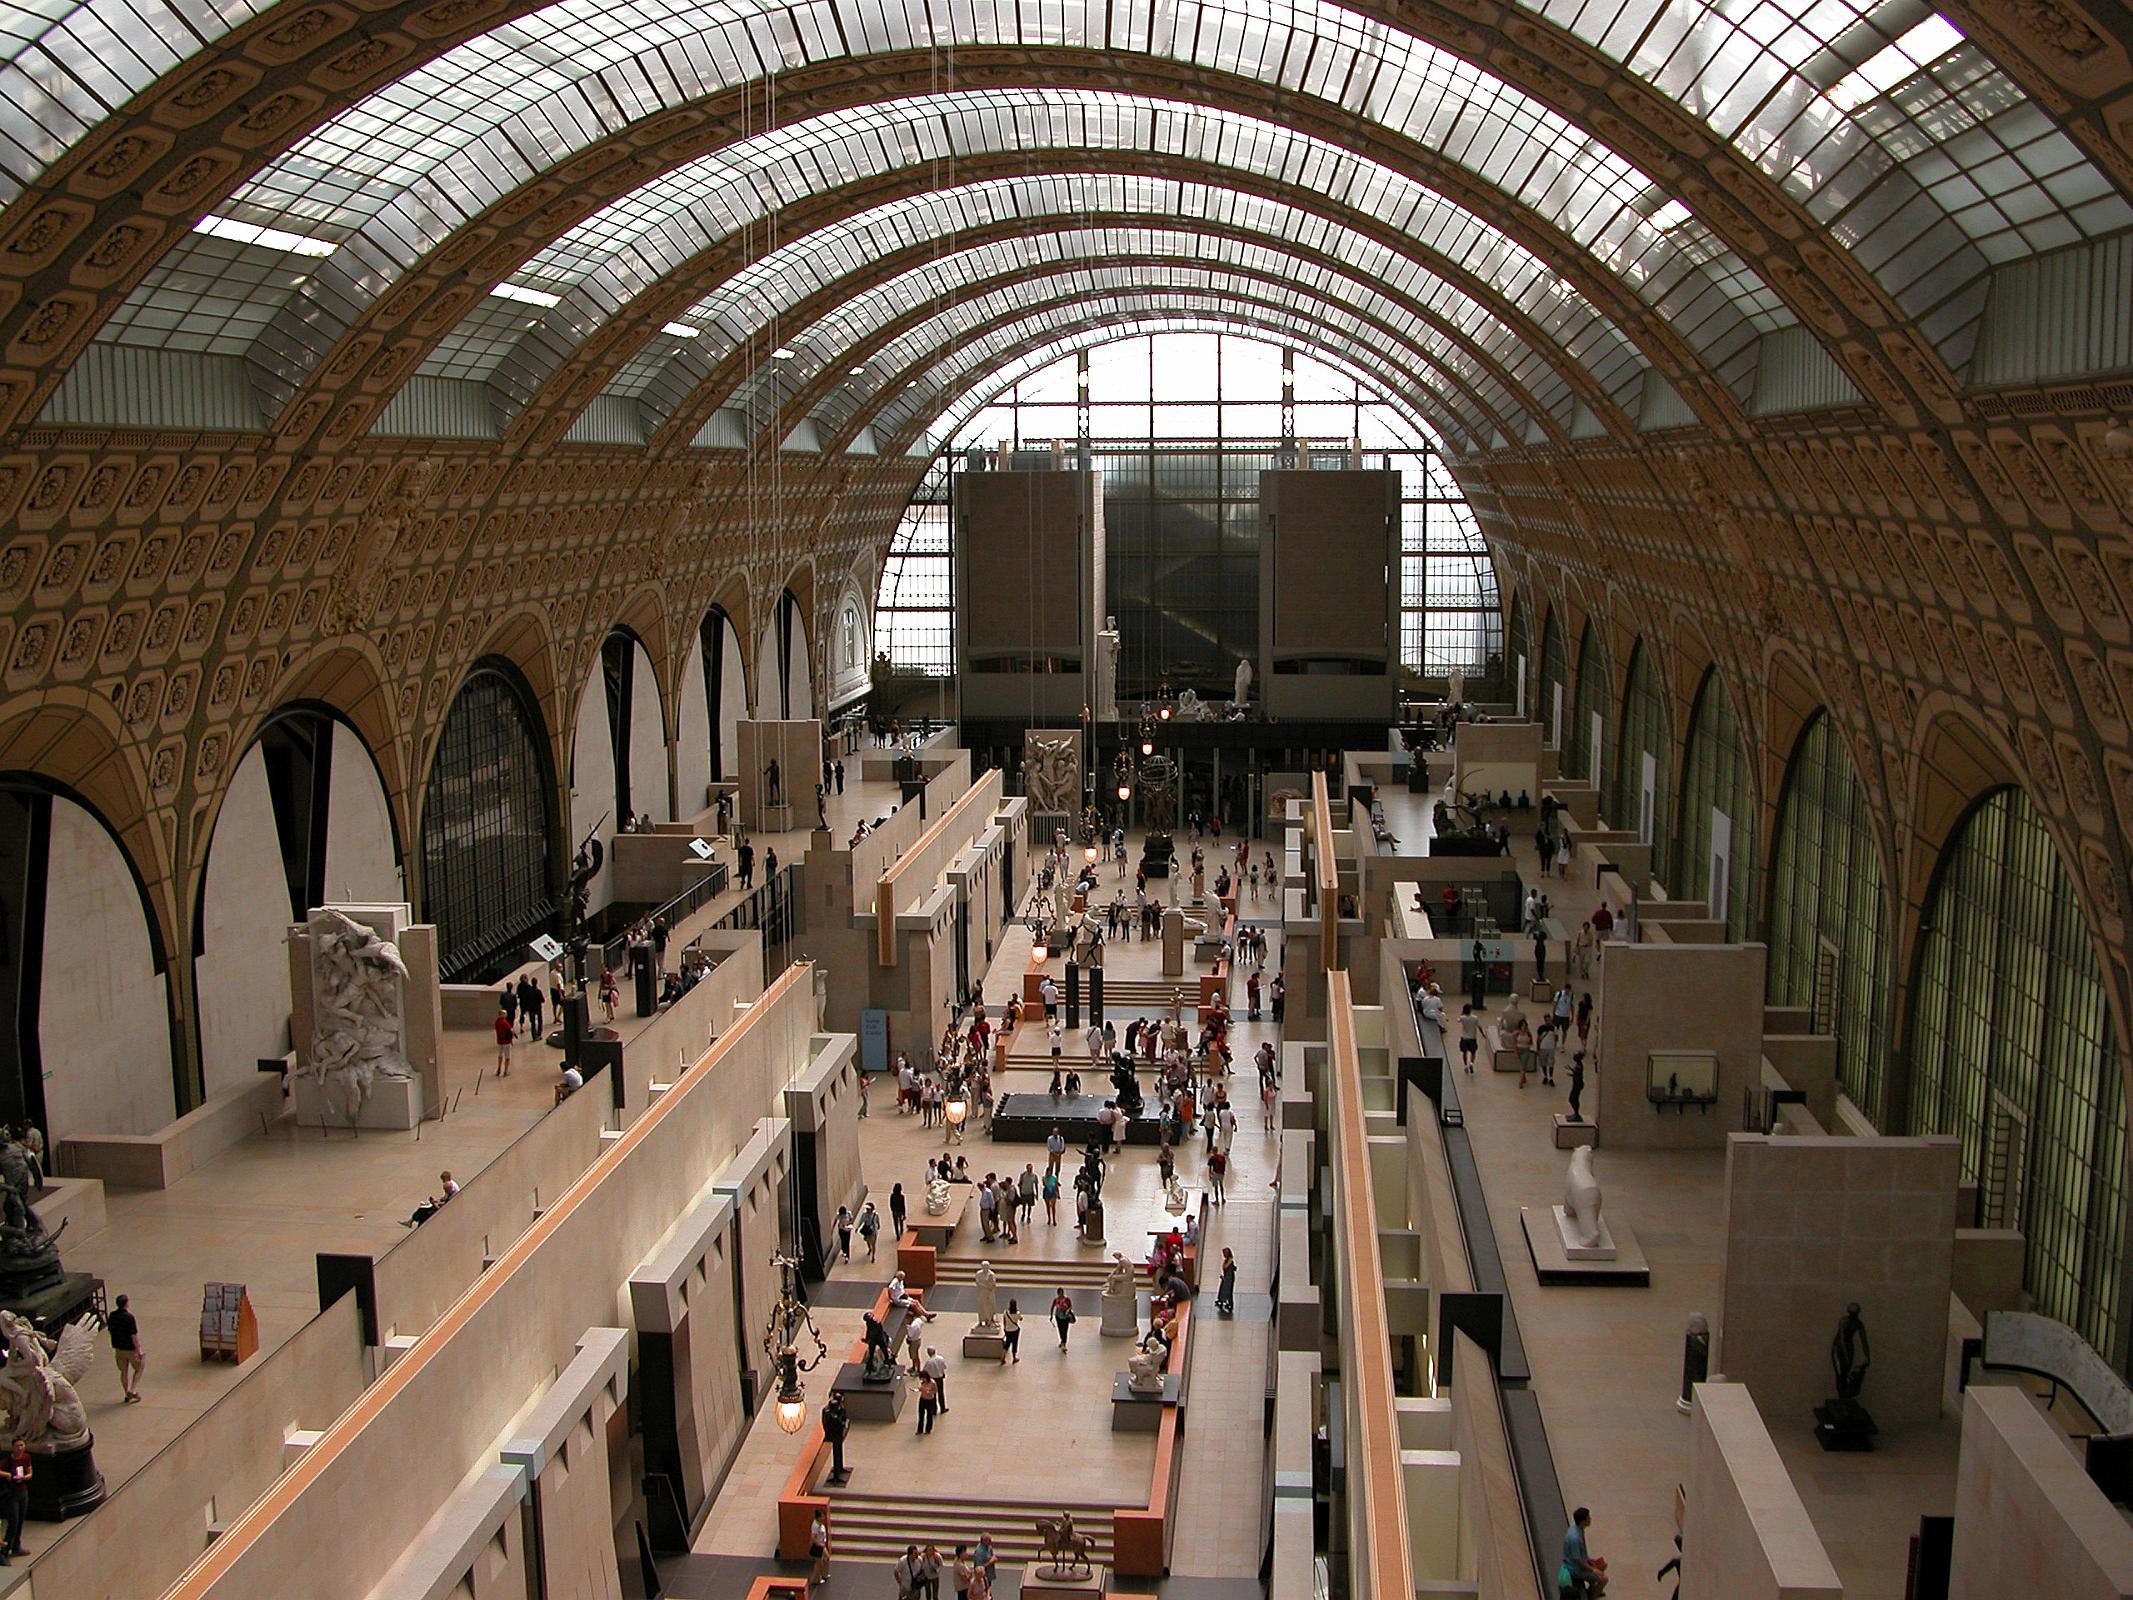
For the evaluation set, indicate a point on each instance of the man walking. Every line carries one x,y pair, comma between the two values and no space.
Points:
936,1368
126,1348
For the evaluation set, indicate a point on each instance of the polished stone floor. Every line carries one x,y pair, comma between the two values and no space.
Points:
1020,1436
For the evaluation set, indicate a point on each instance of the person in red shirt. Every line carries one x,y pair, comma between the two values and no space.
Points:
505,1033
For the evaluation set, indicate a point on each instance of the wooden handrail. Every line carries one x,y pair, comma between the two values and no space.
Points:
1328,875
215,1563
886,886
1367,1351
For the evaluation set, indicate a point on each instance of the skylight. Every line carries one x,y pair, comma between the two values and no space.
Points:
295,244
1889,66
531,297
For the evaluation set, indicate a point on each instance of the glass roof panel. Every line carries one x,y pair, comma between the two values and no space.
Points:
415,159
830,345
752,303
1049,373
1856,108
632,245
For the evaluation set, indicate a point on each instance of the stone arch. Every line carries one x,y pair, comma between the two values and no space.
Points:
493,880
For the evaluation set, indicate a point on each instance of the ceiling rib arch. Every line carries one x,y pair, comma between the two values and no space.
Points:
634,243
825,348
821,390
946,364
681,379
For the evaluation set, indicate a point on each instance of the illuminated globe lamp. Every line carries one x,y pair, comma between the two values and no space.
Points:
790,1321
956,1108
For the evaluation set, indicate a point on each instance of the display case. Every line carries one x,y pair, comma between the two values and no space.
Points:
1681,1078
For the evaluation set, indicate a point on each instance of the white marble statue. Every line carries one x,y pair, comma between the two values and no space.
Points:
1191,708
1144,1372
936,1196
987,1284
1581,1199
1051,774
1455,689
1174,1196
357,983
37,1386
1243,695
1107,648
1121,1279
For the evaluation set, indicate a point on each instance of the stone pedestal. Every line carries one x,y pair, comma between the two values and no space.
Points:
1141,1410
1173,943
980,1346
64,1482
1042,1581
1844,1425
1601,1249
391,1103
1121,1316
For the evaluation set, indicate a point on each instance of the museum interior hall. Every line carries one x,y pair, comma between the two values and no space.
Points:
858,800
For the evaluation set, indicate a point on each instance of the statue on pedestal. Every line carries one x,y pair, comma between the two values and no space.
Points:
1843,1423
773,784
1121,1310
1243,694
987,1284
1107,648
1174,1196
1067,1551
1144,1372
880,1360
1581,1197
936,1196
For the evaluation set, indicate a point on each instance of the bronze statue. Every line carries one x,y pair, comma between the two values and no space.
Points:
1066,1549
1850,1354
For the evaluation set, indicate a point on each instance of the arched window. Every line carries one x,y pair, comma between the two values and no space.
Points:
488,815
1520,664
1585,743
1554,682
2011,1051
1647,736
1717,815
1825,911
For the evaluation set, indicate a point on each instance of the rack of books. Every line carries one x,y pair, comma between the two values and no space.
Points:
229,1331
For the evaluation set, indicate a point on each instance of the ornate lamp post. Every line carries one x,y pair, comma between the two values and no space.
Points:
790,1323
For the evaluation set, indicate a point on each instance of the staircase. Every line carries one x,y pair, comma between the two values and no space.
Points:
1149,995
1024,1278
876,1527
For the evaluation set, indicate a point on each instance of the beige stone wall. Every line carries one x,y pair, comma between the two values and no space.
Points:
1675,997
2028,1521
155,1523
1744,1534
417,1433
1814,1223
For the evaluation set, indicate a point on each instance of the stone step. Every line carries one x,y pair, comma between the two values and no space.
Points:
1016,1275
880,1526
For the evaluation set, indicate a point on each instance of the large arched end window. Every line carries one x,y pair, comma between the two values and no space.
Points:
2011,1051
1714,850
1826,911
1181,423
1642,792
1585,744
488,816
1554,682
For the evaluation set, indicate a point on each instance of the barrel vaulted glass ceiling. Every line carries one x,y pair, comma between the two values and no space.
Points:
1878,118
